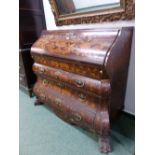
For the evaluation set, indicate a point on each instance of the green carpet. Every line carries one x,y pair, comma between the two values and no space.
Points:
42,133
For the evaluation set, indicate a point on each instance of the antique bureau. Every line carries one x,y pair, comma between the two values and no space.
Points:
82,74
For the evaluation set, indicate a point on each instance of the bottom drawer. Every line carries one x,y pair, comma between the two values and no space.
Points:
85,113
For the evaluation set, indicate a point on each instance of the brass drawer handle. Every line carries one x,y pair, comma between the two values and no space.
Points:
45,82
60,84
82,97
42,70
77,117
58,101
79,83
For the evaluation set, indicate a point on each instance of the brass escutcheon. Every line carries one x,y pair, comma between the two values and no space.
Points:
77,117
60,84
45,82
42,70
101,72
79,83
58,101
69,35
82,97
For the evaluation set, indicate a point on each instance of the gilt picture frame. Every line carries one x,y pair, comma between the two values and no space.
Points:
126,11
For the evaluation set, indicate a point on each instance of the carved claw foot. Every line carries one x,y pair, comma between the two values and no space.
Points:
104,145
37,102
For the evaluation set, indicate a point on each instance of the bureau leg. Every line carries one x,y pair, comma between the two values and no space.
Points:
37,102
104,145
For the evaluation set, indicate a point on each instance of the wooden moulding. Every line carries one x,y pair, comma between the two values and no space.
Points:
126,11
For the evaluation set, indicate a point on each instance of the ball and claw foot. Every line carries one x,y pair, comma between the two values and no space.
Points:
37,102
104,145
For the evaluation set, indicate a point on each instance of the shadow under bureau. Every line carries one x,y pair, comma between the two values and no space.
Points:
82,74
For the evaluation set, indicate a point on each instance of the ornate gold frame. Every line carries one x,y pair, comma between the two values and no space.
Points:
125,12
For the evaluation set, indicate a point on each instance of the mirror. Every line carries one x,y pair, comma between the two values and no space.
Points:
91,11
76,6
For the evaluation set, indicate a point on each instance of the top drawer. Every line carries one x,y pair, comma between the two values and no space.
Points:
100,88
88,70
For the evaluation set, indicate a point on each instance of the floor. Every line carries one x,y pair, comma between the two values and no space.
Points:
42,133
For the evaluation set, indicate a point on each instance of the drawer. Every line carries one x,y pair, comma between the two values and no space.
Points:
82,83
88,70
79,95
67,104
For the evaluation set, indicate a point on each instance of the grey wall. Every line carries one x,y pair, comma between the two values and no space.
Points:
130,92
